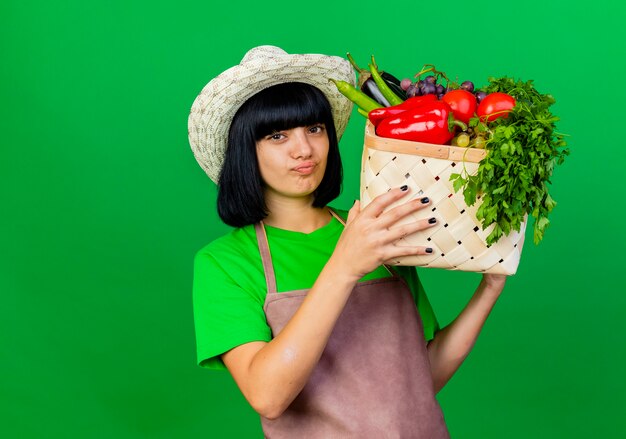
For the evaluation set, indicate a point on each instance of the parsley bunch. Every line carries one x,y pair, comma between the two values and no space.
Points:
512,180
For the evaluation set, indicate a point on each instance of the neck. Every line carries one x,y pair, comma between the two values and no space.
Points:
296,214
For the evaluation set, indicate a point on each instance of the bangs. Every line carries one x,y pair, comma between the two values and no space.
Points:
286,106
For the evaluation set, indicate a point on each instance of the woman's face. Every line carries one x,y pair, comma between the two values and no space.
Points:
293,162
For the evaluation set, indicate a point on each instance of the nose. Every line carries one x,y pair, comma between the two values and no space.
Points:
302,147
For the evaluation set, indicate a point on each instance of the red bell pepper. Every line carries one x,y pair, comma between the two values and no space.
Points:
377,115
428,123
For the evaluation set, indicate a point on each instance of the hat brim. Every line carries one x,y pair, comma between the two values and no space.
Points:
213,110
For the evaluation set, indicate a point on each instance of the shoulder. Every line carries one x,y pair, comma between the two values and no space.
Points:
232,253
238,241
229,266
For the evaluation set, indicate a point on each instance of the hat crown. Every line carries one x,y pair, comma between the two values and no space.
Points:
262,52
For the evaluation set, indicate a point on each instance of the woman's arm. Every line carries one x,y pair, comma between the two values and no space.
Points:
454,342
270,375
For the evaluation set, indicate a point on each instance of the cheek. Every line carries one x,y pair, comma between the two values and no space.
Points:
271,161
271,167
325,154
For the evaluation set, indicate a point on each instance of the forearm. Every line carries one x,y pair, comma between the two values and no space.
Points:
279,371
452,344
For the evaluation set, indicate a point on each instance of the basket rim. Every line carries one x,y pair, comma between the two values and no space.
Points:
446,152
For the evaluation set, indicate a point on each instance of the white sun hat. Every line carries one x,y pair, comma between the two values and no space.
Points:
214,108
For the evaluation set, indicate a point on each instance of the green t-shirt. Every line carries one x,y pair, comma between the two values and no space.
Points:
229,285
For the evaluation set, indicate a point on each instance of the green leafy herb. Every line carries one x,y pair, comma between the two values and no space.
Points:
512,180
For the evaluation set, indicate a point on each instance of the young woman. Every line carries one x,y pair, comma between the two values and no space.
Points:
323,339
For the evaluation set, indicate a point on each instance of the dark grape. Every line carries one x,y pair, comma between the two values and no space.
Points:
411,91
440,96
420,87
440,89
430,79
468,85
429,88
480,95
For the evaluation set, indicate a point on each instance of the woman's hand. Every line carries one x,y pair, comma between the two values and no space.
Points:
494,283
370,237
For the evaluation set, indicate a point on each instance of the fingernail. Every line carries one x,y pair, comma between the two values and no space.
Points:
424,200
404,188
432,220
429,250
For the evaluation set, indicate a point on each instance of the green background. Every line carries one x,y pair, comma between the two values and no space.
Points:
103,208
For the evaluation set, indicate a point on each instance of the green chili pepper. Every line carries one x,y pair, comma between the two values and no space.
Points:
362,112
393,98
366,103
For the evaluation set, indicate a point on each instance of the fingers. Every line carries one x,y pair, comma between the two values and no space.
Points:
380,203
400,232
375,235
394,215
408,251
387,221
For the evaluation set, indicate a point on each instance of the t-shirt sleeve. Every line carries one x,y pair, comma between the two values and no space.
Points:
225,314
429,319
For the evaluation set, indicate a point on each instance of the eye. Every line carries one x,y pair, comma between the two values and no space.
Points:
275,136
316,129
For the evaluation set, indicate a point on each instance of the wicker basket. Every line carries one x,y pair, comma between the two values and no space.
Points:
458,239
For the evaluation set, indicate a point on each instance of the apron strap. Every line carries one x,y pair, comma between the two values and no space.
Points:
266,257
340,219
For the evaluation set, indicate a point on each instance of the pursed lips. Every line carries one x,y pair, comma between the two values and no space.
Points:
305,168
